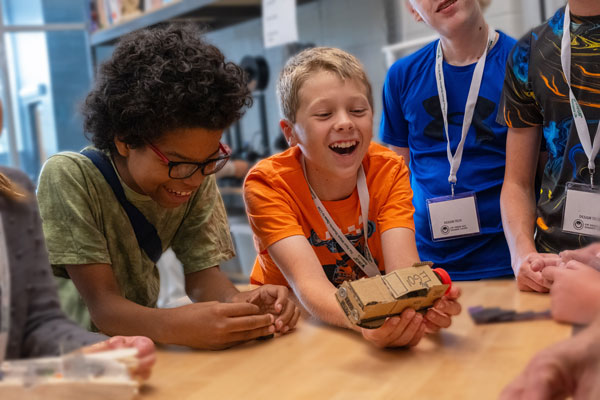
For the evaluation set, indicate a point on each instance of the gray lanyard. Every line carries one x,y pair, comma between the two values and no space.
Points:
591,150
456,159
366,263
5,293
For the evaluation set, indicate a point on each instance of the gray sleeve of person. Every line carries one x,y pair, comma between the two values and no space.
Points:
38,327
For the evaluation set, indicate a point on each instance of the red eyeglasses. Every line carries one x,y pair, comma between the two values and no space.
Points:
185,169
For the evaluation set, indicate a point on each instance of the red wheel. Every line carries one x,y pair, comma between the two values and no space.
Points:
444,278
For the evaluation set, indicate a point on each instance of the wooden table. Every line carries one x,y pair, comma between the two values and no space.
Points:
466,361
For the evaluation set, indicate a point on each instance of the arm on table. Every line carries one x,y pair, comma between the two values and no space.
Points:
211,284
302,269
400,256
517,202
208,325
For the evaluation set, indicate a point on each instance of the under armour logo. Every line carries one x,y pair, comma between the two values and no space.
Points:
483,109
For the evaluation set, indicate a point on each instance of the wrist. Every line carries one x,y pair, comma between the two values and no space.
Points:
522,253
163,331
234,296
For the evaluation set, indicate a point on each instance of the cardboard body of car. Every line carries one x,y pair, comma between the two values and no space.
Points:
367,302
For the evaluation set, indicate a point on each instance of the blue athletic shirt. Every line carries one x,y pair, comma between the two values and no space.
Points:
412,118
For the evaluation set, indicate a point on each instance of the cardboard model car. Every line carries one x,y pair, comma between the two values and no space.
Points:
368,302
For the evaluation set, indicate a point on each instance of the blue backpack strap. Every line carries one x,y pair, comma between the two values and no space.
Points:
145,232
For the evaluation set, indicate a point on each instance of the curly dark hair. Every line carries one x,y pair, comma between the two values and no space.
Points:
161,79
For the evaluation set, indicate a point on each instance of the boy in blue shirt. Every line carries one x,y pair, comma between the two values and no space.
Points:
417,127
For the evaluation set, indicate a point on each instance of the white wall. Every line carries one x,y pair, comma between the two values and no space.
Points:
513,17
357,26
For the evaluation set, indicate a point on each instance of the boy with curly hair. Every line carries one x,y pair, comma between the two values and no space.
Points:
155,116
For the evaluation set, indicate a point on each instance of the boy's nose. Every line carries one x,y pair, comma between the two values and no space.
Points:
344,122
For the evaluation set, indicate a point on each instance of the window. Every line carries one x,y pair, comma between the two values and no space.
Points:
46,72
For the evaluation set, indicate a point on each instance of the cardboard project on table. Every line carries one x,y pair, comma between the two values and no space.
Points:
368,302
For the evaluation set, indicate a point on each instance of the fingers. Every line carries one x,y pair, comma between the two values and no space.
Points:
418,336
527,284
439,319
280,294
144,345
146,354
412,326
454,293
235,309
270,298
549,257
288,318
539,261
243,336
447,306
529,280
396,331
440,315
144,369
543,381
292,324
573,264
588,255
97,347
549,274
284,307
537,264
246,323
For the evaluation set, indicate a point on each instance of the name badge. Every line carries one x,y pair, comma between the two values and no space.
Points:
581,213
451,217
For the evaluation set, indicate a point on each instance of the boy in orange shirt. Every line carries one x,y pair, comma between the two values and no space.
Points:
307,205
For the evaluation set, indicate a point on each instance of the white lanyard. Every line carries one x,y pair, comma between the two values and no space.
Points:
5,295
456,159
591,151
366,263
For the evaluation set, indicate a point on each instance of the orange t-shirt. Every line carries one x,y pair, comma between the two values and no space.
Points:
279,205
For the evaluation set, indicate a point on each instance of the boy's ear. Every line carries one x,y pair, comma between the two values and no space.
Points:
288,131
412,10
122,148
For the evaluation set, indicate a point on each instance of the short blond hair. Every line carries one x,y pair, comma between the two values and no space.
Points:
299,68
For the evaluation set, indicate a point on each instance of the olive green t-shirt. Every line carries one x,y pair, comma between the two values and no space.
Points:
85,224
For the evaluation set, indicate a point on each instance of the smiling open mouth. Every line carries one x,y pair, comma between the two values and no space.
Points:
445,5
346,147
181,194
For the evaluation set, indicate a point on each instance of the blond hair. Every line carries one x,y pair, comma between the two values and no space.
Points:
9,190
300,67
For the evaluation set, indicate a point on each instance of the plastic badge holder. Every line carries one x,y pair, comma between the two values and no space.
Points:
446,229
581,214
